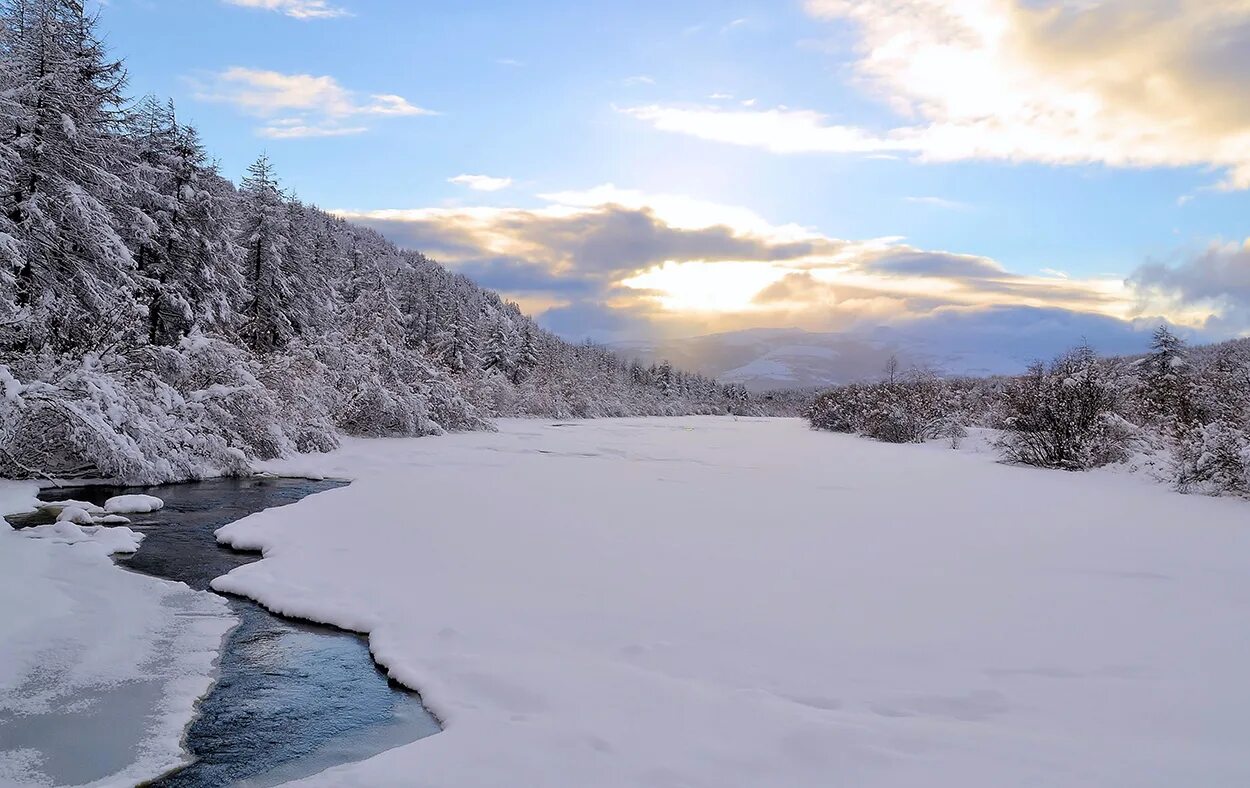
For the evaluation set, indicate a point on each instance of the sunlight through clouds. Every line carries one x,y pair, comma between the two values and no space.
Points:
1123,83
672,261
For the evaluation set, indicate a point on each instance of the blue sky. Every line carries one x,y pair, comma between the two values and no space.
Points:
779,120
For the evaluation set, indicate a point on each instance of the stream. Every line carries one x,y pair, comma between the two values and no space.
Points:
290,698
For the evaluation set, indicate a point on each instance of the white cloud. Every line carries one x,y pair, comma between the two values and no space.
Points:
299,9
1123,83
481,183
639,79
776,130
301,105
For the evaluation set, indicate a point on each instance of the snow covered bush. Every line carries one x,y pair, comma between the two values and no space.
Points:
1191,406
1214,459
838,409
109,418
909,408
1064,415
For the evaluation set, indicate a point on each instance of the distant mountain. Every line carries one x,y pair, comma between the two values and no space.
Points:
992,341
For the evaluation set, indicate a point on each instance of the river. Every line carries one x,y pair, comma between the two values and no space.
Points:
290,698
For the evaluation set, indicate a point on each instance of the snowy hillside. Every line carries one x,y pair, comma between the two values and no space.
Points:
783,616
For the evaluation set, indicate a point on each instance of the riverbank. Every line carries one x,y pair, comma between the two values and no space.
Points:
287,699
709,602
100,668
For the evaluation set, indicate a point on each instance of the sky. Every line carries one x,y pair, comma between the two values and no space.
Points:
673,168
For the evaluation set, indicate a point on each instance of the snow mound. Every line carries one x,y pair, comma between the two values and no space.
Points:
110,540
17,497
60,506
127,504
73,514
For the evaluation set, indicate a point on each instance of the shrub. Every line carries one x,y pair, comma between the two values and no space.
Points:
1064,416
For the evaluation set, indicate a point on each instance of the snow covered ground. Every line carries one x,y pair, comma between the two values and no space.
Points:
709,602
99,667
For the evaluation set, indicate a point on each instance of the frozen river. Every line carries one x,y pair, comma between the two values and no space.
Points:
290,698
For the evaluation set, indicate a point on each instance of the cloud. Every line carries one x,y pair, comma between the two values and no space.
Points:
481,183
917,263
678,265
1121,83
300,105
609,242
775,130
299,9
1211,287
639,79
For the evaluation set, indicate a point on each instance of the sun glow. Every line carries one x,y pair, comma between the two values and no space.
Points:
706,287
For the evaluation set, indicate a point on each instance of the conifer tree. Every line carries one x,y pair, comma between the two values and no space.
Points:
263,236
66,192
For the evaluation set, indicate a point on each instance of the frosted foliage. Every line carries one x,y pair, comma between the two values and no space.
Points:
1182,411
156,323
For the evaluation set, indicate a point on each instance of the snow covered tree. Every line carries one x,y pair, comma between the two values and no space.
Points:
182,230
263,236
1166,383
65,194
158,323
498,353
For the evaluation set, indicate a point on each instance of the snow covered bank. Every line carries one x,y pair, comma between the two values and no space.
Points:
703,602
99,667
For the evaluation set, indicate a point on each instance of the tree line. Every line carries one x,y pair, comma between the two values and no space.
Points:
1189,406
158,322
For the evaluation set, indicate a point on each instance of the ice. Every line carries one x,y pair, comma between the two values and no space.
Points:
127,504
99,667
719,603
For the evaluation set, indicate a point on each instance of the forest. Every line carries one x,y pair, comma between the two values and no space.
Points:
160,323
1184,410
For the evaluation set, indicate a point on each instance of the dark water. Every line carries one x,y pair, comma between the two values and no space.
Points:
291,698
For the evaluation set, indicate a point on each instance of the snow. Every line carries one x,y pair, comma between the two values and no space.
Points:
69,503
127,504
68,531
100,667
716,603
17,498
73,514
